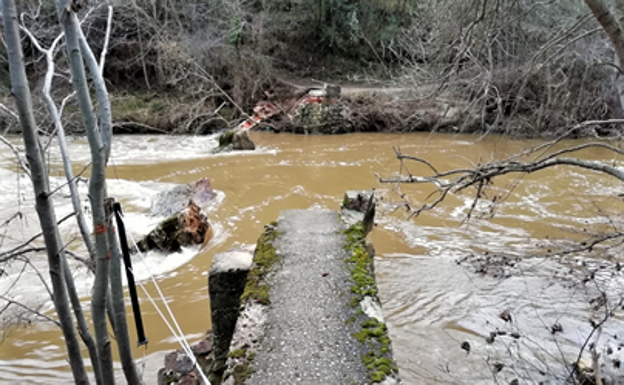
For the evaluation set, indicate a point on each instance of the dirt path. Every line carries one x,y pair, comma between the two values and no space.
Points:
388,88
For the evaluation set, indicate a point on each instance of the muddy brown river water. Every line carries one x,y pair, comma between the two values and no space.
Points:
431,303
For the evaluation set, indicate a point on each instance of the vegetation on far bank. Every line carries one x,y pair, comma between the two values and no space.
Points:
512,66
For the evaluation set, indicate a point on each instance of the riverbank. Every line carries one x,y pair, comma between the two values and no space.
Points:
387,105
378,107
293,108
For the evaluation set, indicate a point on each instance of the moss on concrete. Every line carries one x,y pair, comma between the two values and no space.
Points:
378,367
242,372
237,353
257,291
265,257
243,369
360,263
373,334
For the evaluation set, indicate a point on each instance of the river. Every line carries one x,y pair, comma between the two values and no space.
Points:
431,303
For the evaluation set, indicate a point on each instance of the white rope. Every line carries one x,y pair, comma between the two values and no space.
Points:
164,300
180,338
178,335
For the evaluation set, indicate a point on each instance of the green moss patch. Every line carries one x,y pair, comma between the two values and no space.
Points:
256,290
242,372
359,264
265,257
243,369
226,138
378,367
238,353
373,334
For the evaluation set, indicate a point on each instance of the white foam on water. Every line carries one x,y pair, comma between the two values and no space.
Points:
160,264
142,149
136,200
151,149
188,337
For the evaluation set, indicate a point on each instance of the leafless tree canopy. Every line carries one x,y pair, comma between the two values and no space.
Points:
520,67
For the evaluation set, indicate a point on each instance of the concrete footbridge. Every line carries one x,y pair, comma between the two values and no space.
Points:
303,309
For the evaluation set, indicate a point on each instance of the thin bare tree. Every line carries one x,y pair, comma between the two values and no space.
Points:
41,185
609,22
108,290
99,137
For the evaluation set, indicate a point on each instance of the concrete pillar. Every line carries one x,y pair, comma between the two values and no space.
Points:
226,282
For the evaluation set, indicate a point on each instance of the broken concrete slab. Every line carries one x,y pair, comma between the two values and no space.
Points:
187,228
226,281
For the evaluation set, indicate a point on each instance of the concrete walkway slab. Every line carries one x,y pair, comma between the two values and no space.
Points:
315,326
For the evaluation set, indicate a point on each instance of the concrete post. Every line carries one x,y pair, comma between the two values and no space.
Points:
226,282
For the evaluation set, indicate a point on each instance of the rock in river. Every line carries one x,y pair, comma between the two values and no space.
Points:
179,368
235,140
186,228
173,201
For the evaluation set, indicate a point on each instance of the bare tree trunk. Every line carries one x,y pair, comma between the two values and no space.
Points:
85,333
97,189
60,133
116,297
106,125
39,177
613,29
81,321
119,306
101,93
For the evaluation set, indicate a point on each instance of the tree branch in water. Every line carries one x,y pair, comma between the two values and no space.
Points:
482,175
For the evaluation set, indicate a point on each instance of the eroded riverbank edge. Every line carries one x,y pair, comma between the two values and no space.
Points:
289,106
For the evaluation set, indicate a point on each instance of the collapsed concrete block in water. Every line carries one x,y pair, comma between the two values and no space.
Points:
363,202
226,281
310,311
186,228
176,199
357,200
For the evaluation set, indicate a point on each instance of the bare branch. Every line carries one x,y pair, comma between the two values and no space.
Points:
22,164
4,254
72,180
397,151
480,176
31,310
109,24
583,147
17,215
11,113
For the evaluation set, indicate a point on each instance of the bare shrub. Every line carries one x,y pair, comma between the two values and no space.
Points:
527,66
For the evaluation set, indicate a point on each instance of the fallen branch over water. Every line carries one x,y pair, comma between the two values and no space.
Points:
480,176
